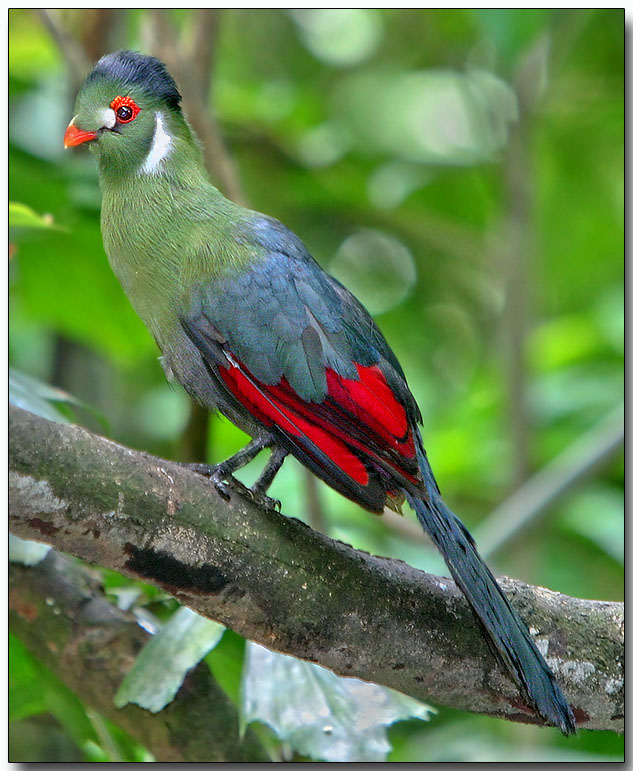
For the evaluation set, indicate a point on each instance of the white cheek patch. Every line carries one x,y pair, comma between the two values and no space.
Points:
108,118
160,149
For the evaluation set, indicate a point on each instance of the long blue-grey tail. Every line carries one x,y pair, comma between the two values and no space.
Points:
505,628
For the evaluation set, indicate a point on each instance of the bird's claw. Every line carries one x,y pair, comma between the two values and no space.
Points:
219,477
204,469
221,485
223,480
259,497
270,503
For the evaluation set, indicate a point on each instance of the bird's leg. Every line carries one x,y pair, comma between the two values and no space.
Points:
219,473
235,462
277,457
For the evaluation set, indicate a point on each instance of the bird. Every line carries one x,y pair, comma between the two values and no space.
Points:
251,325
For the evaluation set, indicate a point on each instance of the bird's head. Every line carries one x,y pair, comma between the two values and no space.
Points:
128,110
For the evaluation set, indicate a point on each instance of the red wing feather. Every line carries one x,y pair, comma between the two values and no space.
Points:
372,401
359,426
267,404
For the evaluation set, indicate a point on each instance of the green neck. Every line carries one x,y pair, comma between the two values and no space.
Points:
167,229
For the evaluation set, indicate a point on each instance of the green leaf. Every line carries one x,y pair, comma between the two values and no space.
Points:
33,395
226,662
22,216
34,689
45,400
26,696
321,715
161,666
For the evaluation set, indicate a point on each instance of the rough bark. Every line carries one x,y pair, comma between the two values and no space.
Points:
59,612
276,581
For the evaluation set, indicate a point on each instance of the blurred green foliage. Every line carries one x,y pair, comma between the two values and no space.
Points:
426,157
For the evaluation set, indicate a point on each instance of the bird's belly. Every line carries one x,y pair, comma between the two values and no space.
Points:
181,360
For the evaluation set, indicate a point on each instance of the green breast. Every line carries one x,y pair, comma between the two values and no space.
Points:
161,239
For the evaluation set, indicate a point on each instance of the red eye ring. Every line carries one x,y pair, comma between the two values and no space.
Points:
125,109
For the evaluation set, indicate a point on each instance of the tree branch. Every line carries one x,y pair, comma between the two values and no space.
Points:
275,581
58,610
72,51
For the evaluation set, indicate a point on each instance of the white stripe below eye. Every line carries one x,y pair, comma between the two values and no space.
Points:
160,148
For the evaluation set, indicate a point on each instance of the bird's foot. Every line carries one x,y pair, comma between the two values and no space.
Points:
222,474
221,477
260,488
204,469
223,481
225,484
259,496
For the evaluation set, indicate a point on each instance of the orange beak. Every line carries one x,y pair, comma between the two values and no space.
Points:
75,136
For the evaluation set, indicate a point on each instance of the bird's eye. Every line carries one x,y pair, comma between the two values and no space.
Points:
125,109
